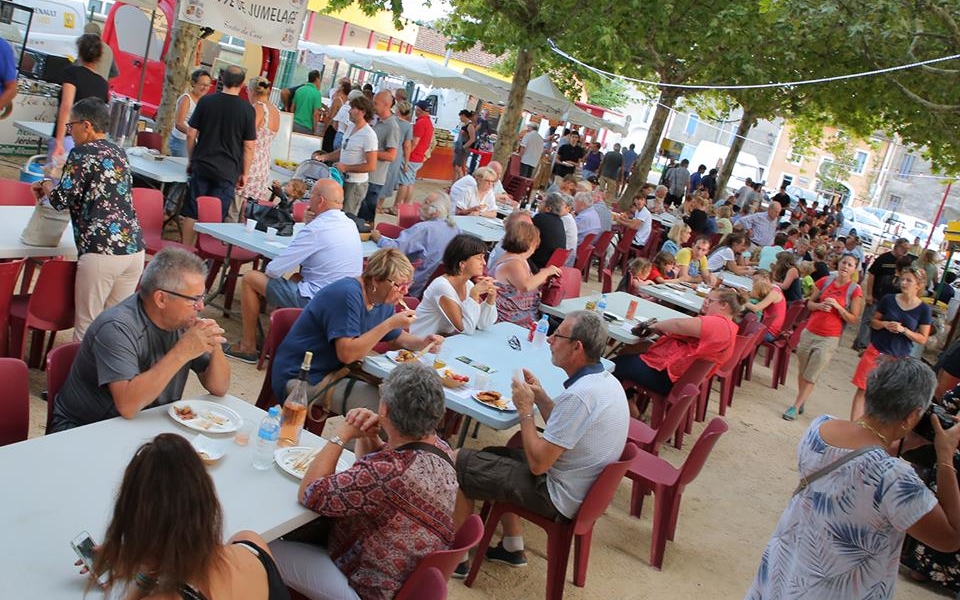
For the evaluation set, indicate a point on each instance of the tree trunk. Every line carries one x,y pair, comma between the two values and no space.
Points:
641,168
510,121
179,61
747,121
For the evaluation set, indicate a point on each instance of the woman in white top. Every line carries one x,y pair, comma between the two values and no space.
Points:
200,81
728,255
452,303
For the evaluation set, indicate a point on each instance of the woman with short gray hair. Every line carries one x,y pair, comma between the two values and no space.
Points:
391,508
841,534
553,232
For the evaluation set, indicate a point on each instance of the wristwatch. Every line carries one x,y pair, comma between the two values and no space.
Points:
337,440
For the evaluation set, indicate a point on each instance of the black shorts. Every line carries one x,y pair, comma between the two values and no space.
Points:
501,474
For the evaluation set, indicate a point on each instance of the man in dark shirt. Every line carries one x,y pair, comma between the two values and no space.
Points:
881,280
569,156
220,145
696,179
709,183
611,171
782,196
552,235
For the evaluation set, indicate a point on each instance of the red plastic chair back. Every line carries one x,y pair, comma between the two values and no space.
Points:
9,274
750,317
601,492
408,215
426,584
603,242
794,310
446,561
626,239
16,193
701,450
51,305
652,246
679,401
14,401
389,229
558,258
794,338
281,320
607,286
584,252
209,209
150,139
571,282
59,362
148,206
299,210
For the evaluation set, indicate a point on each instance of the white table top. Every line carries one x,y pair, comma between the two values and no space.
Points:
65,483
41,128
738,281
665,219
490,347
256,241
13,220
171,169
488,229
686,299
617,304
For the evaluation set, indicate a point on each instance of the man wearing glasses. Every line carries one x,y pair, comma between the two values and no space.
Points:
137,354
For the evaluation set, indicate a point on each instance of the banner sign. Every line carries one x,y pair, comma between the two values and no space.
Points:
270,23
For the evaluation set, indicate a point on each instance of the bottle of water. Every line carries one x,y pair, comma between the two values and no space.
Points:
540,335
267,439
602,304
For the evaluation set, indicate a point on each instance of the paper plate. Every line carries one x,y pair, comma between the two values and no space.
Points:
208,417
287,459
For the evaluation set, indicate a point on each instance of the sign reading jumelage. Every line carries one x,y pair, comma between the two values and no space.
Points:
276,23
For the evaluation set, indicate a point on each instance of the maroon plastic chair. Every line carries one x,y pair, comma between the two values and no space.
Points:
584,252
560,535
408,215
300,211
795,312
652,246
445,561
9,273
649,439
599,254
148,205
621,252
14,401
50,308
428,584
558,258
651,473
571,282
209,210
783,348
757,331
150,139
726,373
607,286
389,230
696,375
16,193
59,362
281,320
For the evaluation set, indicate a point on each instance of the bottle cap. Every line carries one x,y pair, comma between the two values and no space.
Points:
307,359
274,410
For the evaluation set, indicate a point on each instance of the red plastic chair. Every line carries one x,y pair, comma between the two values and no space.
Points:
649,439
571,282
150,139
49,308
783,347
599,254
299,211
652,246
607,285
148,205
584,252
650,473
59,362
9,273
427,584
795,312
209,209
559,535
389,230
696,375
281,320
558,258
621,253
16,193
727,376
408,215
14,401
445,561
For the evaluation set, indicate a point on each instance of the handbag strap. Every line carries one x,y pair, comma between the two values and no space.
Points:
427,448
806,481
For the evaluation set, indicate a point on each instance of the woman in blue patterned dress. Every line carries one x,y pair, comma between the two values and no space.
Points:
840,536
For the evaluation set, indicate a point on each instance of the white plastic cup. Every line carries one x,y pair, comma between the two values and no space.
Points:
482,381
250,226
271,233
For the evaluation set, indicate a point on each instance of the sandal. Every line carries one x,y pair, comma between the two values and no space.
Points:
790,414
250,358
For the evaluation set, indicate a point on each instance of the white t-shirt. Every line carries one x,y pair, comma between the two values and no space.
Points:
719,259
431,318
465,195
570,230
343,117
643,232
354,150
532,145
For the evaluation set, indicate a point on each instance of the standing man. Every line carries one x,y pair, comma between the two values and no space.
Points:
388,141
591,162
308,105
629,157
8,71
677,182
745,196
220,146
611,172
422,138
569,156
357,157
881,280
709,183
762,227
697,178
531,149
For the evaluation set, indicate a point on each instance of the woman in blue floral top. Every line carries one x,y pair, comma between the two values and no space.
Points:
97,188
840,536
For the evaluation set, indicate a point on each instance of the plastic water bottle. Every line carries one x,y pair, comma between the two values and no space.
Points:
540,335
602,304
267,439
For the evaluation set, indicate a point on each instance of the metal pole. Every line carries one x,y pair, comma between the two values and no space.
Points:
146,53
936,219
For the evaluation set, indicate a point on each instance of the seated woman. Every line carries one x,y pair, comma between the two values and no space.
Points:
341,325
766,300
452,302
677,236
638,276
518,289
787,276
166,531
710,336
729,255
724,225
391,508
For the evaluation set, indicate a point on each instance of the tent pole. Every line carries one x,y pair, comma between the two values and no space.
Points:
146,53
936,219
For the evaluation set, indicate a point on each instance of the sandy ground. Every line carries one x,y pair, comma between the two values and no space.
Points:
726,516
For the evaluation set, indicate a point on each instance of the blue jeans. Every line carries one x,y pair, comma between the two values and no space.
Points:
177,146
368,208
632,368
204,186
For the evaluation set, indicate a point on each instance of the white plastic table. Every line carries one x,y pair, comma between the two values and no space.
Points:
617,304
13,219
488,229
235,234
741,282
61,484
685,299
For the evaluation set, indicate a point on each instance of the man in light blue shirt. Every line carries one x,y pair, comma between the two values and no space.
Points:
587,219
325,250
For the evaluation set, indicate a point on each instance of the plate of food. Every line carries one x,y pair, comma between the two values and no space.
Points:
452,379
401,356
210,450
208,417
495,400
296,459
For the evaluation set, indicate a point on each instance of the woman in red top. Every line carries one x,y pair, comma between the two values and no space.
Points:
770,303
710,336
829,312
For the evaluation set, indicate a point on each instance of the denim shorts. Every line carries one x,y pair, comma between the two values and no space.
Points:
283,293
409,175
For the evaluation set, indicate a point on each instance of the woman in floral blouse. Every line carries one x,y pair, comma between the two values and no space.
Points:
96,187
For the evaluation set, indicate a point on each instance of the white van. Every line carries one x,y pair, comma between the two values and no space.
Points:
55,26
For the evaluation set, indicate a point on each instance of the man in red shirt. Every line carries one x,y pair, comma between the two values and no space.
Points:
422,138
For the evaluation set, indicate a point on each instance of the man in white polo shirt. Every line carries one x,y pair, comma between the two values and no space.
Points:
325,250
531,149
357,157
642,220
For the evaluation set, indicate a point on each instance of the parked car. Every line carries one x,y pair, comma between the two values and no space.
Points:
867,227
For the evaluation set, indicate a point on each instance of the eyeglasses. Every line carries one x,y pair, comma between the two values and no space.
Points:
400,286
196,300
70,125
566,337
514,342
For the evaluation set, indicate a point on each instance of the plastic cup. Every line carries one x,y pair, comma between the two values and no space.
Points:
482,381
271,233
242,437
250,226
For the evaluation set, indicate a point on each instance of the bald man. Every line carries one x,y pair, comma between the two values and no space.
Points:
499,193
325,250
387,129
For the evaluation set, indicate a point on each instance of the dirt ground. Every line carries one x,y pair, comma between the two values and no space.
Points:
726,516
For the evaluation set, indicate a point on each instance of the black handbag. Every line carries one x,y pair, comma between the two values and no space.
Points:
279,216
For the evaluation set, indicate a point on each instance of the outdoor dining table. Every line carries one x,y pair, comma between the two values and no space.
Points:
488,229
491,348
13,220
676,294
741,282
61,484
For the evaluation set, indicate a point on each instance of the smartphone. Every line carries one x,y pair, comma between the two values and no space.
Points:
84,546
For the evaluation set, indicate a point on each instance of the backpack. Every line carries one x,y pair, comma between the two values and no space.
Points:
850,290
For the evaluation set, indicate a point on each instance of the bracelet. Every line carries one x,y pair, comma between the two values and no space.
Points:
145,582
337,440
526,416
947,465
